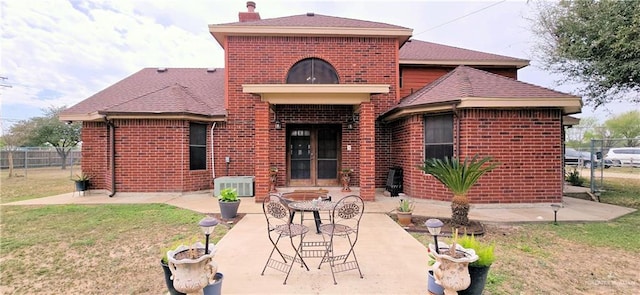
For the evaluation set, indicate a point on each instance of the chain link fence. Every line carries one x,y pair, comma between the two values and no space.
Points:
600,163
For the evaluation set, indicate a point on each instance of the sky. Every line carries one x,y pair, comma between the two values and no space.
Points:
59,52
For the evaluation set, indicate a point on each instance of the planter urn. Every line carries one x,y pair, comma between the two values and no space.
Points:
192,275
452,273
345,178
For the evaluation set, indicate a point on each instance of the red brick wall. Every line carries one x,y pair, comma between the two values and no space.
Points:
527,143
151,156
95,154
266,60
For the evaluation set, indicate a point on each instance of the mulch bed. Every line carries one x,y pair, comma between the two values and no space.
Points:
417,225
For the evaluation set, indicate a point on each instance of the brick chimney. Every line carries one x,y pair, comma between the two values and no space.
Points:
250,15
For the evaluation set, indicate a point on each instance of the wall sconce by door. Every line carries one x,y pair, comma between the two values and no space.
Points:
278,125
351,122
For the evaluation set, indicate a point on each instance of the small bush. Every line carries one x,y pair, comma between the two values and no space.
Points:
573,177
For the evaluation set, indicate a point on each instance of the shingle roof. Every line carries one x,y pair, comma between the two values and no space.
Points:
315,20
194,91
421,50
465,82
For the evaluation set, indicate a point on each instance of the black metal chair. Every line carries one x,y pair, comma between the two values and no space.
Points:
279,225
341,236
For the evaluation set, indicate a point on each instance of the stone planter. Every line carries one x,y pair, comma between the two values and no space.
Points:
452,273
191,275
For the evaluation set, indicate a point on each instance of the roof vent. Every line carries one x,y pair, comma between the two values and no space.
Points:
211,70
310,14
162,70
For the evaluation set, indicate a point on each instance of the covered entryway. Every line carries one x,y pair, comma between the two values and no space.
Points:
313,154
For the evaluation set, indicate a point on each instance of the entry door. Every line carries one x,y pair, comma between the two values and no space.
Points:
313,155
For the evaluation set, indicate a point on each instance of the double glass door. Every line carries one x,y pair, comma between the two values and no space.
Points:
313,155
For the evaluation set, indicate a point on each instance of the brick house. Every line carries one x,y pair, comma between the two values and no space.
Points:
312,95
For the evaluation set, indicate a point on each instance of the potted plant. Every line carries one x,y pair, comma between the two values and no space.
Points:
82,182
479,269
404,210
451,267
345,178
229,203
164,262
459,178
433,287
192,268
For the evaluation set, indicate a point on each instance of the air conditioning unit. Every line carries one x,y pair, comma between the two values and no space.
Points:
242,184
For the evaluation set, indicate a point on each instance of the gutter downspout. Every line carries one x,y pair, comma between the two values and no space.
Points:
112,138
213,162
457,115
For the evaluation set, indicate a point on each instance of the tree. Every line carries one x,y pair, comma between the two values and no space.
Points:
593,42
49,130
626,126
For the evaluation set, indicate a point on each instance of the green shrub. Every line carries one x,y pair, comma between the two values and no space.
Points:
484,251
573,177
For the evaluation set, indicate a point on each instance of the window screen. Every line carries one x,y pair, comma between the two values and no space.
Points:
312,71
197,146
438,136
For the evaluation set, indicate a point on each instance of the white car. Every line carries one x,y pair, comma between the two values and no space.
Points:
628,156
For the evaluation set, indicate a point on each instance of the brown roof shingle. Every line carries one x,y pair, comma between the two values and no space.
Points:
421,50
465,82
316,20
196,91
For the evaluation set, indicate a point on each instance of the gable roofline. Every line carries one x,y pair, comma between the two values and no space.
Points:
162,93
418,52
466,62
309,25
466,87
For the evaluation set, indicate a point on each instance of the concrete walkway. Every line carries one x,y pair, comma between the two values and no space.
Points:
392,261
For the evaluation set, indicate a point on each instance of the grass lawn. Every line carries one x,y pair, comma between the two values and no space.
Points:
569,258
36,183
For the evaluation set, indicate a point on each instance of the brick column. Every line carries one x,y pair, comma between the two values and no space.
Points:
367,151
261,154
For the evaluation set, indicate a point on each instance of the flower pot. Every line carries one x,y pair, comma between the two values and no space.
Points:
168,280
82,185
192,275
478,277
452,272
432,286
214,288
404,218
229,210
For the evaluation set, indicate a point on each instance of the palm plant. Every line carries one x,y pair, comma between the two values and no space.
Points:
459,178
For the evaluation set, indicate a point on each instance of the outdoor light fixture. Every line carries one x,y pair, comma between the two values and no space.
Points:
278,125
555,208
207,224
434,226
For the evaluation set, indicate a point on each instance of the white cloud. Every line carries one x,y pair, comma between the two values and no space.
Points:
71,50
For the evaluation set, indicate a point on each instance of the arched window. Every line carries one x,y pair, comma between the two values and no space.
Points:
312,71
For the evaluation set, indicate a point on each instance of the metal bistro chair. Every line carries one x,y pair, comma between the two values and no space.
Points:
341,235
279,225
